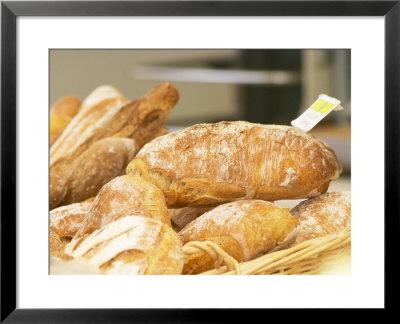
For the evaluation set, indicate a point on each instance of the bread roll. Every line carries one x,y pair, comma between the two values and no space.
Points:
183,216
131,245
323,215
61,113
245,229
125,195
65,221
210,164
101,140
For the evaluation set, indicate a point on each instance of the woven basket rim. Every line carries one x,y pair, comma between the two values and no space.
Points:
306,257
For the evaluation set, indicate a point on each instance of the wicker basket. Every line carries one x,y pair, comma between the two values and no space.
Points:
308,257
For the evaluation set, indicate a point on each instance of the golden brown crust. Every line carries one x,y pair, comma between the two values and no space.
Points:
75,180
124,195
87,155
131,245
99,94
323,215
210,164
65,221
61,113
245,229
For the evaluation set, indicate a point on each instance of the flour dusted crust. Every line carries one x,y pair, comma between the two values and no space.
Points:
124,195
99,94
245,229
131,245
77,179
210,164
323,215
100,141
65,221
61,113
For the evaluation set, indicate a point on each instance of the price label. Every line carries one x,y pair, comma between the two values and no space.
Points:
316,112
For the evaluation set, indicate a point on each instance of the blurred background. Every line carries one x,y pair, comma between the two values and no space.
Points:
265,86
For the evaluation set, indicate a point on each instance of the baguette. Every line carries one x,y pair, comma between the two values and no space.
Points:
323,215
61,113
101,140
245,229
211,164
131,245
99,94
123,196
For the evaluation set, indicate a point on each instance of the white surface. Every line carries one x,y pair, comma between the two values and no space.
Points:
365,36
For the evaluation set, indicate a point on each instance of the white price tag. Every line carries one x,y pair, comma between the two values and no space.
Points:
316,112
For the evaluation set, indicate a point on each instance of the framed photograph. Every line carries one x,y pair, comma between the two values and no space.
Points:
200,78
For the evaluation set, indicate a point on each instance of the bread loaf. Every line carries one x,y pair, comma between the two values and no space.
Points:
131,245
245,229
124,195
99,94
101,140
79,178
323,215
65,221
210,164
61,113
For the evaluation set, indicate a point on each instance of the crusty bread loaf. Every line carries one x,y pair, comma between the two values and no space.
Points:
323,215
210,164
245,229
124,195
183,216
100,141
61,113
65,221
131,245
99,94
79,178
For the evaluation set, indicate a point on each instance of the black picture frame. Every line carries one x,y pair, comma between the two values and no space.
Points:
11,10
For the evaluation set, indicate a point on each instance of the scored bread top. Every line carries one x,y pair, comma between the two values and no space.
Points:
208,164
89,142
131,245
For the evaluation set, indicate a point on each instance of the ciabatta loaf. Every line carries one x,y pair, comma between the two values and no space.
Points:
131,245
210,164
124,195
99,142
245,229
61,113
323,215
